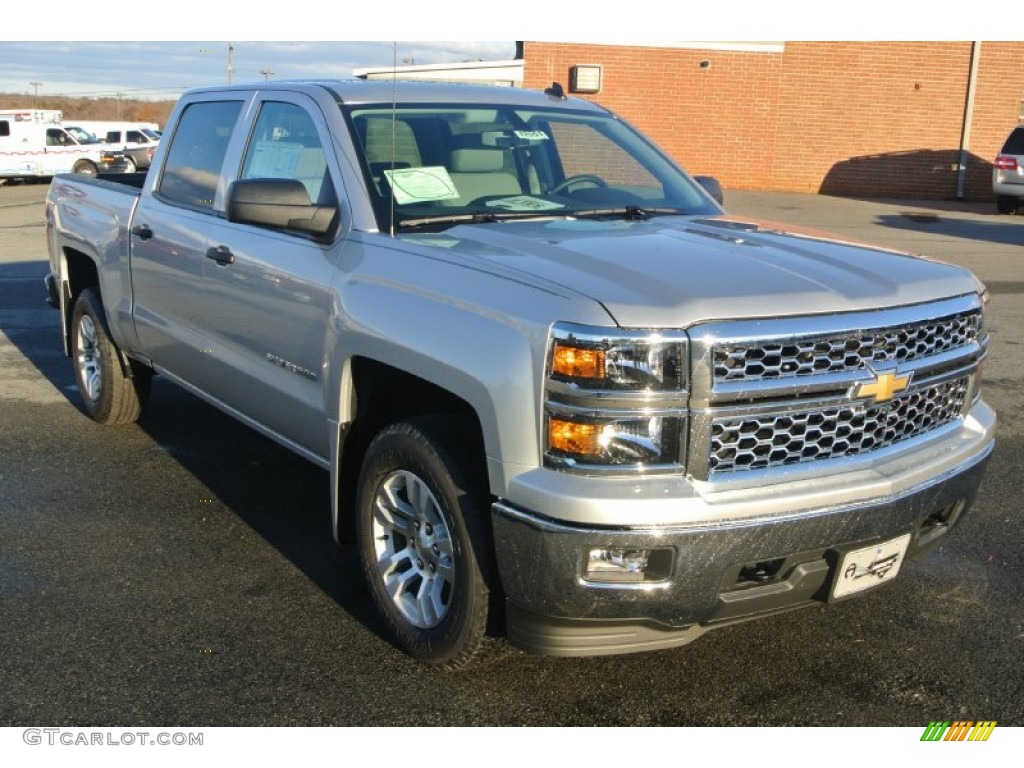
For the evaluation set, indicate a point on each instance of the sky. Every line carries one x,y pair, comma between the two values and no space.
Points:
163,69
174,60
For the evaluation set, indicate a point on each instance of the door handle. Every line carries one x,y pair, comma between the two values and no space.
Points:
142,231
221,254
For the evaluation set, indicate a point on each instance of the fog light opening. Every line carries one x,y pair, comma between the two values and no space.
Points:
614,565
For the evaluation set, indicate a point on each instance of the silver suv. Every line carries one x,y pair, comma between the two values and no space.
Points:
1008,172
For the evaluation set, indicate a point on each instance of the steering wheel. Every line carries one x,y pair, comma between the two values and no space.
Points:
582,178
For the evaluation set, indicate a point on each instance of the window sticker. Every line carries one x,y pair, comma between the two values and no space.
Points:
421,185
523,203
273,160
531,135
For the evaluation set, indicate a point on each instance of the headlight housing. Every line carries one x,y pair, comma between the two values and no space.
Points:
615,399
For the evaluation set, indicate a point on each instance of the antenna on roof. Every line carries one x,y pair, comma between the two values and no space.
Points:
394,110
555,91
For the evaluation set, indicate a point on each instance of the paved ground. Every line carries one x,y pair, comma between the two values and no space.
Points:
181,571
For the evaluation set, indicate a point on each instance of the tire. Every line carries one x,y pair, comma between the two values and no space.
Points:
108,395
85,167
424,544
1006,204
131,165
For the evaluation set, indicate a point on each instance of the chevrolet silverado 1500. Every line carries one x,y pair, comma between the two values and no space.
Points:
561,395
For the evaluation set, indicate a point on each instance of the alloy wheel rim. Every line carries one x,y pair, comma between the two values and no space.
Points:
88,359
413,549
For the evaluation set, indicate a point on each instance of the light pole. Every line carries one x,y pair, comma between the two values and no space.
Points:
35,98
267,73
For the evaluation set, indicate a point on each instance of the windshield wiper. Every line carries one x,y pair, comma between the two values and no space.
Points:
627,211
474,218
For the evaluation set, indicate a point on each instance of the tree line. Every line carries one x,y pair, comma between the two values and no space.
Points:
99,108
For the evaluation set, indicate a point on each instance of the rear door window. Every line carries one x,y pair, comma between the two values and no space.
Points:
196,155
1015,143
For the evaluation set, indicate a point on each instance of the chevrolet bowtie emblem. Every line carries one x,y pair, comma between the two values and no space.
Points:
885,386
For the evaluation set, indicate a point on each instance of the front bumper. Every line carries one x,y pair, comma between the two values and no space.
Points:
723,567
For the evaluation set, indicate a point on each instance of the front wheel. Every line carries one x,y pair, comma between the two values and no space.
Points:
109,396
422,542
85,167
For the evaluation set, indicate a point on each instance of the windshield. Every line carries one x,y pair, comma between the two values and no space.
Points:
151,134
441,164
81,135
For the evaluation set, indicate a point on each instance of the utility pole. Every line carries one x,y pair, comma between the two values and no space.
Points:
267,73
231,63
119,95
35,98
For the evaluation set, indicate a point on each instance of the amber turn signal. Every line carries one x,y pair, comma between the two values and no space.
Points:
574,438
577,362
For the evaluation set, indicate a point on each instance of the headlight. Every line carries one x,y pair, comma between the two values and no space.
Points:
596,358
615,399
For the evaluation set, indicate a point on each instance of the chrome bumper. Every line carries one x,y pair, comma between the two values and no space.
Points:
710,578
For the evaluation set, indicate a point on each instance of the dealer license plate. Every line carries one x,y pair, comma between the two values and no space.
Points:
868,567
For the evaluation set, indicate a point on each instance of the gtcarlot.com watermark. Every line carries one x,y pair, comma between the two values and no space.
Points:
70,737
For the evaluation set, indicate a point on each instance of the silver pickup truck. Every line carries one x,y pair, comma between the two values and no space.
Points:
562,396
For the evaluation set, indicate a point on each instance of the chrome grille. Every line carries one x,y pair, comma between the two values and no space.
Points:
761,441
844,353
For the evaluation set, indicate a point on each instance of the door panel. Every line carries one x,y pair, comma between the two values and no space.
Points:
169,239
266,316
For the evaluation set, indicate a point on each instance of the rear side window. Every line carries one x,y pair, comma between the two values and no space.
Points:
1015,143
5,128
196,155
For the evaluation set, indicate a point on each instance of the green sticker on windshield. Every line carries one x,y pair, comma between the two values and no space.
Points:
421,185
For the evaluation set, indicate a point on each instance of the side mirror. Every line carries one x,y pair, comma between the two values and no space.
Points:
712,187
279,203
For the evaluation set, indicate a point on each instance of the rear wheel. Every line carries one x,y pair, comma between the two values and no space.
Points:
1006,204
108,395
85,167
423,542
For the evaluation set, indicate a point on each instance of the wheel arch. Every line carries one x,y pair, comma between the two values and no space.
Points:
79,272
375,395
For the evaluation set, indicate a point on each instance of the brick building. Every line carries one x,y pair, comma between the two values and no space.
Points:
856,118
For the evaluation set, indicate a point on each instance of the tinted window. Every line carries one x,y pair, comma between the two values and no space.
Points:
285,145
196,155
5,128
1015,143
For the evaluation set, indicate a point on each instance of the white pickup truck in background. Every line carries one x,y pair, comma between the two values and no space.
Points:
34,144
561,395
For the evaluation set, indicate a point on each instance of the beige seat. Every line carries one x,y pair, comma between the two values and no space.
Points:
389,144
479,172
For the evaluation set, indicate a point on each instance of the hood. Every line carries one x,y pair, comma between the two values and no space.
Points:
670,272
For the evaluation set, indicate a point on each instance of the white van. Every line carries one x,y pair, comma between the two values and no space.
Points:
33,144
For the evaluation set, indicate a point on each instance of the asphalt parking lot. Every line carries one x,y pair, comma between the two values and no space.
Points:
181,571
